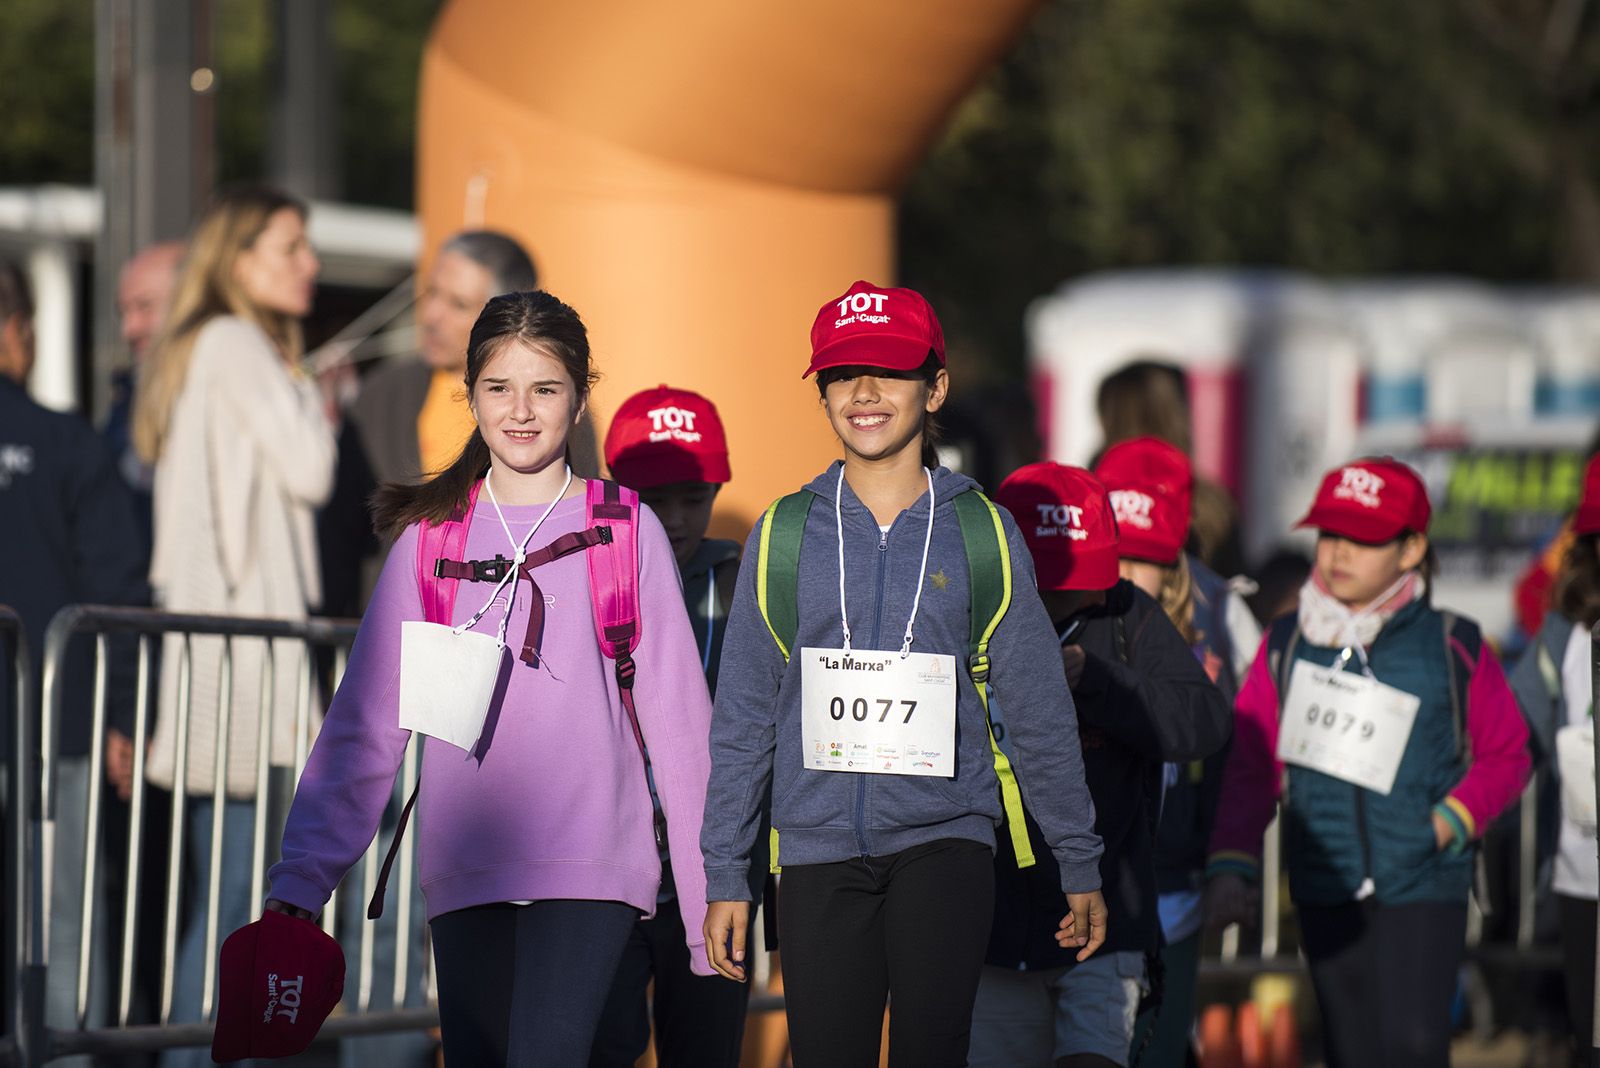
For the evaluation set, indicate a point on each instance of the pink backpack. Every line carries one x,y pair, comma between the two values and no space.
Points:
611,541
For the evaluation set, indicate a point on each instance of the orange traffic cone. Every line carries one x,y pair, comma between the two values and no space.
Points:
1219,1046
1252,1043
1285,1038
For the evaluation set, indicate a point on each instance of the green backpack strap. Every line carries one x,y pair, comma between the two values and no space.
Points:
778,582
778,566
989,582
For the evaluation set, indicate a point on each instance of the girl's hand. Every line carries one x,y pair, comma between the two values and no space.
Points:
1443,833
1230,900
274,905
1084,925
1073,659
726,924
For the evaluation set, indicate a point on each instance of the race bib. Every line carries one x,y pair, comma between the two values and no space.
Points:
878,712
1346,725
447,681
1575,762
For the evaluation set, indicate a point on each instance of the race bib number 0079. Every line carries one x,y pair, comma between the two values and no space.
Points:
878,712
1346,725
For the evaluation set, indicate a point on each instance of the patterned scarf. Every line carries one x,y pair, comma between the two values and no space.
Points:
1328,622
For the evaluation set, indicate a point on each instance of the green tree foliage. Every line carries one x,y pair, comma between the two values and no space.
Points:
47,91
379,44
1361,137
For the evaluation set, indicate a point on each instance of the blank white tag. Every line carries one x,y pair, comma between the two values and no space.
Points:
878,712
1575,762
447,681
1346,725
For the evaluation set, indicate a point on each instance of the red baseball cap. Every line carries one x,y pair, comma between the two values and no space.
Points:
278,979
875,326
1151,485
1068,523
1586,520
664,435
1371,500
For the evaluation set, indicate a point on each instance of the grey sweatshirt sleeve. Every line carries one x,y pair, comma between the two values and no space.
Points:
1026,674
743,738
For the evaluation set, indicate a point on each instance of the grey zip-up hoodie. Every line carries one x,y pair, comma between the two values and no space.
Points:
828,816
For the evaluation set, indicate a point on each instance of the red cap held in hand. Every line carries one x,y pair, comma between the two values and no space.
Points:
1151,485
1067,521
277,981
875,326
1372,500
1586,520
663,435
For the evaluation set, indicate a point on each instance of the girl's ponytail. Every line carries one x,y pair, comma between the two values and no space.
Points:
397,505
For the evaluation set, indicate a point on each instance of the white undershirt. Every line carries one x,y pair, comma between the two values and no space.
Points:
1577,873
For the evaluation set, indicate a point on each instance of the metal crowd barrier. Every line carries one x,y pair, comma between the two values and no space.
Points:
34,897
30,844
14,778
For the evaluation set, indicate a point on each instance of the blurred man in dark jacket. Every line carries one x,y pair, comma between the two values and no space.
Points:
67,536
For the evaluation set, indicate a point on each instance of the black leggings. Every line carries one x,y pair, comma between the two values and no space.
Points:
1385,977
523,985
1577,917
699,1019
913,927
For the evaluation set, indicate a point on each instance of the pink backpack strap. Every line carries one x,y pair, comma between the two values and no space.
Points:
614,568
442,541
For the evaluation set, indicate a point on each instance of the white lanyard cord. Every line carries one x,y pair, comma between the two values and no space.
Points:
838,525
711,617
927,541
519,554
1356,617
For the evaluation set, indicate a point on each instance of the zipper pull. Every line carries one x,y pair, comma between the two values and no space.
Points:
883,541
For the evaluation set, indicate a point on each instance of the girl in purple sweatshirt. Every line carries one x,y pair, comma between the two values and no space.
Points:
537,848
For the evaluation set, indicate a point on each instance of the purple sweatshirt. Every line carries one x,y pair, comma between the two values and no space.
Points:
556,804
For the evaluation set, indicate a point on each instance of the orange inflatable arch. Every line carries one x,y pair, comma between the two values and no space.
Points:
696,178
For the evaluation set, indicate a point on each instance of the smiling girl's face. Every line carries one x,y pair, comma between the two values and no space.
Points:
878,412
526,404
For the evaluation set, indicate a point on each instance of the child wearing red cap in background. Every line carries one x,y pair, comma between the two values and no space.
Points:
886,822
1555,686
1142,699
1150,484
669,446
1402,743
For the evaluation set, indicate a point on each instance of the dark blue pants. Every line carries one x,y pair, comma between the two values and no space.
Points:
699,1019
1385,977
523,985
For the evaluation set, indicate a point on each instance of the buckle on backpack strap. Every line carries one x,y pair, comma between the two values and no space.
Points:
978,667
604,534
490,570
626,670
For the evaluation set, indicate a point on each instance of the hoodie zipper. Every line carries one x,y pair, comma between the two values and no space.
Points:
1367,887
877,621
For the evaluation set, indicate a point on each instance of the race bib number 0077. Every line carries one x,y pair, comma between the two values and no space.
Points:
1346,725
878,712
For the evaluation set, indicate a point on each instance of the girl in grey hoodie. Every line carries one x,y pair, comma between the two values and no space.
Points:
886,830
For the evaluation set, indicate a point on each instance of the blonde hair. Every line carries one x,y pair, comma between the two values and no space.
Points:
1177,598
205,289
1145,398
